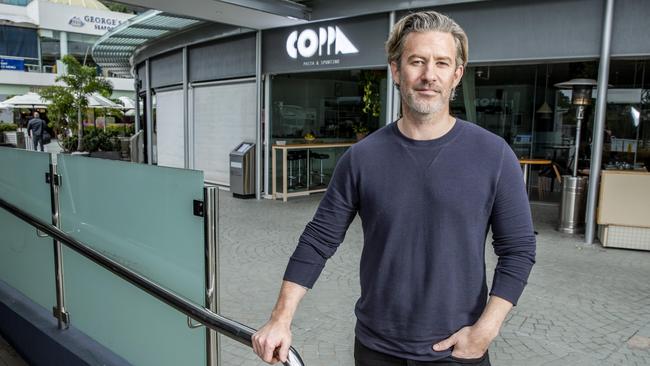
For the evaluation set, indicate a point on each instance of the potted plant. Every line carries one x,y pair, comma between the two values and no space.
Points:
97,142
370,81
360,130
8,133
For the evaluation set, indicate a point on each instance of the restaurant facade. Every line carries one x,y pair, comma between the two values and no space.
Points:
211,86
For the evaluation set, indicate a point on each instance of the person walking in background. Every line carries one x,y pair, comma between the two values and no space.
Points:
36,129
427,188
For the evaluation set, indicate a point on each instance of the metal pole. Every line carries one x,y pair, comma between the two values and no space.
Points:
186,126
63,320
137,104
599,124
636,148
149,109
258,114
40,54
267,134
389,80
533,135
211,228
395,98
580,114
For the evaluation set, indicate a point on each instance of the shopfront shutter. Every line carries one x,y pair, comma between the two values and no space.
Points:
170,133
224,116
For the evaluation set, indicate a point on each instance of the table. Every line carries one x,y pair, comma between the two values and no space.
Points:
527,162
285,150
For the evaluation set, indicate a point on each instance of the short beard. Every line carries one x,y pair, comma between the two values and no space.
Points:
423,107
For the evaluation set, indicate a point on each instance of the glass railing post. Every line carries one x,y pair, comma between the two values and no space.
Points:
63,318
211,222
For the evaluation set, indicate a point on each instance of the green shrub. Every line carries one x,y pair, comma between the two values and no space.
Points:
99,140
122,129
8,127
69,143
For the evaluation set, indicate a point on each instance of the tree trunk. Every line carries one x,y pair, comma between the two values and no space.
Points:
81,129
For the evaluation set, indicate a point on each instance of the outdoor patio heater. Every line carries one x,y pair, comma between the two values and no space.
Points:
574,188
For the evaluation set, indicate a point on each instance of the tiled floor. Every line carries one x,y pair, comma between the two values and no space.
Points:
582,306
8,356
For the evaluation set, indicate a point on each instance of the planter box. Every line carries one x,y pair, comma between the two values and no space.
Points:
111,155
15,138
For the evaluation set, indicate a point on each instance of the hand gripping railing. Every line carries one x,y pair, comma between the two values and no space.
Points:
225,326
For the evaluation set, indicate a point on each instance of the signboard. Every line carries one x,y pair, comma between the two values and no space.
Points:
345,43
16,64
77,19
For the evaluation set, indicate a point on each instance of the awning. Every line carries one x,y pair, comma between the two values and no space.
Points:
113,51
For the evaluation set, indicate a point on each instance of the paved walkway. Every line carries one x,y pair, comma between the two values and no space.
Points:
8,356
581,307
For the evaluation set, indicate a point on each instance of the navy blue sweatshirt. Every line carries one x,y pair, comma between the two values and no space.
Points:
426,208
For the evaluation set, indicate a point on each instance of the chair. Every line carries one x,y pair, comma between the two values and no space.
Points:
295,157
319,173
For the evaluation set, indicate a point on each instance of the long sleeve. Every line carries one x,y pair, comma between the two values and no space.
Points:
512,229
326,231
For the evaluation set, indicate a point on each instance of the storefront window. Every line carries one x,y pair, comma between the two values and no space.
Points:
522,104
330,105
80,45
626,142
50,49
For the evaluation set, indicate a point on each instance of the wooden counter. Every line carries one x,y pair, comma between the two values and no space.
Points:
285,150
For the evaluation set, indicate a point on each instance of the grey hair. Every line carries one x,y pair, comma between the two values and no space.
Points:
423,22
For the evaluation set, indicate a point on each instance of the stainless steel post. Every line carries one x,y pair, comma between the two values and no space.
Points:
580,114
138,123
149,108
211,228
258,115
59,312
396,99
599,124
186,123
390,89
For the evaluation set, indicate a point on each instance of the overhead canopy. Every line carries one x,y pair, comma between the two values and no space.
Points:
113,50
29,100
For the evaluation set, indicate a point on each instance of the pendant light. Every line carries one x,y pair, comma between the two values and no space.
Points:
545,110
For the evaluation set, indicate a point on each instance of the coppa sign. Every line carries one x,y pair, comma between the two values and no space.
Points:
344,43
308,42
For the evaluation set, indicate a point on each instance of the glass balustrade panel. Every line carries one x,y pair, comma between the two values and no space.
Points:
142,217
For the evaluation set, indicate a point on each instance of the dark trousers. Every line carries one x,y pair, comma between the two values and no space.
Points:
38,140
364,356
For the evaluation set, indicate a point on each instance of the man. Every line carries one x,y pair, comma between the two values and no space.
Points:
427,189
35,129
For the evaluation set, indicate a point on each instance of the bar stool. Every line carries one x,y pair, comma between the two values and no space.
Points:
320,157
294,156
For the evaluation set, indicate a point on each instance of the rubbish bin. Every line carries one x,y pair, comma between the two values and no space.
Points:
242,170
573,205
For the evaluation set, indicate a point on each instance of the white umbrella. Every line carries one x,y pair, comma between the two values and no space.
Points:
4,106
29,100
96,100
127,102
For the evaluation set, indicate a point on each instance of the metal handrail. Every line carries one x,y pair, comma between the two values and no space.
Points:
230,328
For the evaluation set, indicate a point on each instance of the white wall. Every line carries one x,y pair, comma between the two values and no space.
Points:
44,79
